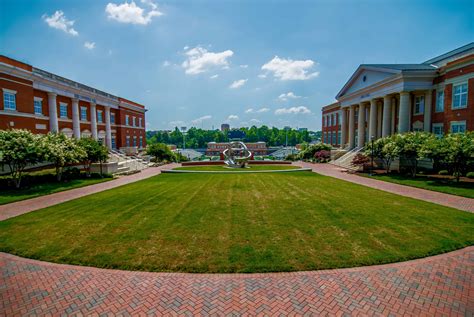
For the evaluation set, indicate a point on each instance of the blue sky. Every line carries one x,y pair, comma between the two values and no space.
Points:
203,63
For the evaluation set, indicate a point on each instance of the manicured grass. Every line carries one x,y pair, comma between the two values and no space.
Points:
247,169
465,189
11,194
237,223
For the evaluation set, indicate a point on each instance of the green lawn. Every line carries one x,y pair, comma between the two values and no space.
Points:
11,194
439,185
250,168
237,223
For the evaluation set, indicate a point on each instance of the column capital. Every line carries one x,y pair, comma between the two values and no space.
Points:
52,94
373,102
387,97
75,99
404,93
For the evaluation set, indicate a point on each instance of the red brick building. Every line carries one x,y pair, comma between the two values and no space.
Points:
41,102
435,96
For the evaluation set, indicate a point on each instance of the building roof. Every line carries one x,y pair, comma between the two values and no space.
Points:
401,67
458,52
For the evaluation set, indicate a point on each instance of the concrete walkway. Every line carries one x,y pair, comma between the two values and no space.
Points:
458,202
441,285
28,205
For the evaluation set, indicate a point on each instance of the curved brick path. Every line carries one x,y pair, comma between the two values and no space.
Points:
458,202
441,285
28,205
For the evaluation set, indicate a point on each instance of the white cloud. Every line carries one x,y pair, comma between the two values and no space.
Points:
166,63
59,21
288,95
214,76
288,69
261,110
89,45
255,121
201,119
110,52
232,117
262,76
293,110
200,60
131,13
244,66
238,83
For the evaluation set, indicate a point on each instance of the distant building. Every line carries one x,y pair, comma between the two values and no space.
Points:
225,127
216,149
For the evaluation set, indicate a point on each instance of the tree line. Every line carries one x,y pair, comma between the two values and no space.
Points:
198,138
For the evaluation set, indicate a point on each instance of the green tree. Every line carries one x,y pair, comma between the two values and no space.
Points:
410,147
386,149
18,149
94,152
161,152
61,151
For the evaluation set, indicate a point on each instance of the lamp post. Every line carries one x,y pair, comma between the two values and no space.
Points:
371,155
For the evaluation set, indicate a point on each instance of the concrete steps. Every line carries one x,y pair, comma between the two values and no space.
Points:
345,161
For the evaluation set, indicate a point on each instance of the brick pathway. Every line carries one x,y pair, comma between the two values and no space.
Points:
24,206
439,285
458,202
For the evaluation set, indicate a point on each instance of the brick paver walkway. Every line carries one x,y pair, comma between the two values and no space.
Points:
458,202
439,285
24,206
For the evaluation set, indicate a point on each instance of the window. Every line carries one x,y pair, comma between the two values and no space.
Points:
356,115
140,122
127,142
99,116
338,137
333,137
127,120
134,140
458,126
83,114
114,145
440,101
112,117
438,129
63,110
38,102
327,121
9,99
141,141
419,105
460,96
134,121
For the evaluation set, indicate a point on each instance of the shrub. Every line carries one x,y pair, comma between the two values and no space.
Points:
308,153
470,175
443,172
291,157
360,160
161,152
322,156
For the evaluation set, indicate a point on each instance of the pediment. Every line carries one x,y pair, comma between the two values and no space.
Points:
365,77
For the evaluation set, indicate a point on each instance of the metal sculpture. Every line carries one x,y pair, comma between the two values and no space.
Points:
237,155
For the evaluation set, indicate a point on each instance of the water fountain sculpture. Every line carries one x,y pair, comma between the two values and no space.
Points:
237,155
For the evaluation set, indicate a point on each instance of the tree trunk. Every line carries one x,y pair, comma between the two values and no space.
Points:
58,173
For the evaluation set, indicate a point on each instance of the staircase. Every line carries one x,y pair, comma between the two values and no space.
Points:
127,164
345,161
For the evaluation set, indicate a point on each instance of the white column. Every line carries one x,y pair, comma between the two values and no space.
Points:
93,121
76,125
361,126
404,112
351,127
387,112
342,117
379,120
427,116
373,119
53,112
394,115
108,130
